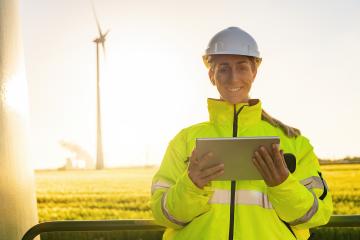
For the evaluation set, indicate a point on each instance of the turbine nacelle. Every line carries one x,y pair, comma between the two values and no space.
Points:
101,39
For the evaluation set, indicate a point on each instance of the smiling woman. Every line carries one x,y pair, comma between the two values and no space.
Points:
233,76
188,200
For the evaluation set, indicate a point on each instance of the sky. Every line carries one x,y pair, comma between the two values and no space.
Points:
153,81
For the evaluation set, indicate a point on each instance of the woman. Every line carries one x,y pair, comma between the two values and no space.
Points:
187,200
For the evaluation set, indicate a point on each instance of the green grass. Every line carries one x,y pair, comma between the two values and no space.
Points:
94,195
125,193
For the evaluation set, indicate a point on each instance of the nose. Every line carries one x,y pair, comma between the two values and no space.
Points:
235,76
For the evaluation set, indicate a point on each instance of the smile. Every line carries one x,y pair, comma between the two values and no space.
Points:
234,89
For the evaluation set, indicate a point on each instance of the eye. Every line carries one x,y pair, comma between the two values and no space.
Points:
243,68
223,69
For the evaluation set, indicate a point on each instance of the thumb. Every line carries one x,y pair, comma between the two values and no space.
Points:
283,159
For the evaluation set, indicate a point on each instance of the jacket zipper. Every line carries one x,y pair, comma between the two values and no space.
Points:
233,183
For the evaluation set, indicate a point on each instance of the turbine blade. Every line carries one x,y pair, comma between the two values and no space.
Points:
106,33
103,37
96,19
103,46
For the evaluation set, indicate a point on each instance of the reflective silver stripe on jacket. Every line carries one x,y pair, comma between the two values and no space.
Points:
166,212
312,182
159,185
242,197
308,214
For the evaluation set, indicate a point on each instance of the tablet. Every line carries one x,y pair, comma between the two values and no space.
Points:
236,155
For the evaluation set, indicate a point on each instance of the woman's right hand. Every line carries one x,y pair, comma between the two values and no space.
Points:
199,175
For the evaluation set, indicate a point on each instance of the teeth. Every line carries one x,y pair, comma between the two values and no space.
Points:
234,89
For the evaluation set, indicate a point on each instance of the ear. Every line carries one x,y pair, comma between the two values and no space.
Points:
255,72
211,76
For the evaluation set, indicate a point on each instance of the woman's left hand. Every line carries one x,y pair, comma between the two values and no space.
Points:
271,166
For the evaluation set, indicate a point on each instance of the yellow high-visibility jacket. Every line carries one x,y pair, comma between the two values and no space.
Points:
249,209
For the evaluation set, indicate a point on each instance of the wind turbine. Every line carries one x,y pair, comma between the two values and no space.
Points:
99,146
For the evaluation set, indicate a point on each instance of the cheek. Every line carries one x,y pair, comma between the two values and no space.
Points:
222,78
244,81
248,78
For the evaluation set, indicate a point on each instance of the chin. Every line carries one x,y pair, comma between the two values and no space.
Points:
237,100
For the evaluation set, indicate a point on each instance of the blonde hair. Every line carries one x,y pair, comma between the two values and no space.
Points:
289,131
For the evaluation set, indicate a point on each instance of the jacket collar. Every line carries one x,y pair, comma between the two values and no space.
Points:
222,112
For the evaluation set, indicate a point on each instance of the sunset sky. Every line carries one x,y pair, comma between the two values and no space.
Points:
154,83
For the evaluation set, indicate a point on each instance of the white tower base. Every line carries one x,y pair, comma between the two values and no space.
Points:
18,211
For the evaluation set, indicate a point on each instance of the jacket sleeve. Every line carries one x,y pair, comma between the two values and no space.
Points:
175,199
303,200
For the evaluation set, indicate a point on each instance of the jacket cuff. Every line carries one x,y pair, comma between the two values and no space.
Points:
290,198
188,185
284,186
290,189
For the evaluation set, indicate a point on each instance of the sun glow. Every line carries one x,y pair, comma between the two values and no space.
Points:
16,94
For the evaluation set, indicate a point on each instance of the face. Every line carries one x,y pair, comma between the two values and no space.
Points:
233,76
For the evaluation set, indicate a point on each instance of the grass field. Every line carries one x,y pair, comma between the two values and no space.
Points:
344,184
86,195
124,193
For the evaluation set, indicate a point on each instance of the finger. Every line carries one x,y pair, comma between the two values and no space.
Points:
281,166
206,155
257,165
210,171
193,152
204,158
213,176
262,172
267,159
283,163
261,165
194,156
278,157
194,160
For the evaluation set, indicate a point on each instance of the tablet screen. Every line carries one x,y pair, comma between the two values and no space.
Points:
236,155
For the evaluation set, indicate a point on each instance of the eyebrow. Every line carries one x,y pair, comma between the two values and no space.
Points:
238,62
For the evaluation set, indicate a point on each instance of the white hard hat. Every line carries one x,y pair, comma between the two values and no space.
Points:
232,40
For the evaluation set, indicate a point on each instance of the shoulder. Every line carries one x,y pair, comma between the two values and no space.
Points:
193,130
187,134
289,131
293,135
303,146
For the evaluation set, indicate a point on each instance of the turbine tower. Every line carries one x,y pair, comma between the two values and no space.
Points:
18,209
99,146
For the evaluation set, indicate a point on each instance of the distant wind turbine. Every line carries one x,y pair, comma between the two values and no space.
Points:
99,147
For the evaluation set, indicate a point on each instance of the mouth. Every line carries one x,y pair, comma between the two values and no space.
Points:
234,89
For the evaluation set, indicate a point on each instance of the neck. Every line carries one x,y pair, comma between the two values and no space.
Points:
244,100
